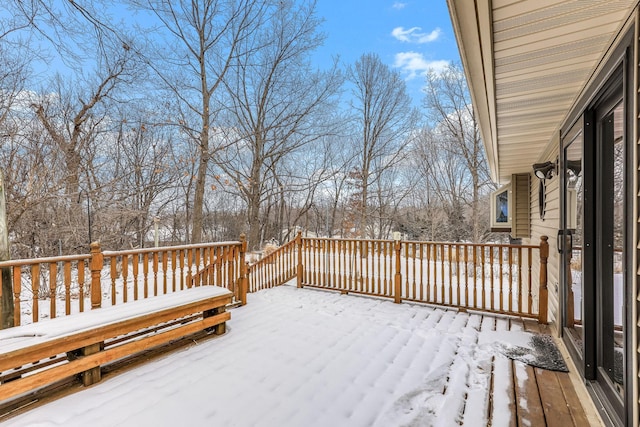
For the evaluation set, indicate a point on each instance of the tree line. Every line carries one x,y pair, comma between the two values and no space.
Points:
208,119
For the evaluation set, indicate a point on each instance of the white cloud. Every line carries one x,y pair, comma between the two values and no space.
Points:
413,35
414,64
399,5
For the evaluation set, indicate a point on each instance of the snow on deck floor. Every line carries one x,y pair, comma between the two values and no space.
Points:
304,357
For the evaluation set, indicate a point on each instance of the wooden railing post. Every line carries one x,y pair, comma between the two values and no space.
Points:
543,295
243,285
96,264
300,266
397,280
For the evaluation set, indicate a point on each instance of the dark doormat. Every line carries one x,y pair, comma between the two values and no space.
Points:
542,353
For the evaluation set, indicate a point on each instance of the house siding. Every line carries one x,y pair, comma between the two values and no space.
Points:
635,216
521,184
547,227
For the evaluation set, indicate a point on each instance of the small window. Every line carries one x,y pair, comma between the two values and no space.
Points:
501,206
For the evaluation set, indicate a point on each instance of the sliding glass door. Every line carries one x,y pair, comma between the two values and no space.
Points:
594,245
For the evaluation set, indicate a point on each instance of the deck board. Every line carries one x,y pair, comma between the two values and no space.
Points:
528,404
537,397
411,365
502,375
573,402
553,401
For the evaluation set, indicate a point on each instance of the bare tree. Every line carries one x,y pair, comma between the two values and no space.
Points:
16,53
143,173
204,38
76,115
77,31
279,104
449,108
385,119
449,184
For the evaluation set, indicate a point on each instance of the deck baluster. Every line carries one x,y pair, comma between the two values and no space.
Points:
135,263
113,275
17,289
500,263
457,272
35,288
491,282
189,261
145,275
413,269
406,246
165,263
155,273
81,285
442,275
53,273
67,287
450,259
519,280
428,272
482,262
530,296
125,277
174,266
510,279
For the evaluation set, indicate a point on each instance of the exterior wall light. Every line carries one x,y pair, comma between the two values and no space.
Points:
545,170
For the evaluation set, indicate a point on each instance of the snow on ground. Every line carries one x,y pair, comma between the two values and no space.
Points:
303,357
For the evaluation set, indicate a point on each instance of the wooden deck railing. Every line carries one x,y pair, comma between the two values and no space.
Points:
57,286
487,277
276,268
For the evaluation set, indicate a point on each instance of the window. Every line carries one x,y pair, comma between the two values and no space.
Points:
501,207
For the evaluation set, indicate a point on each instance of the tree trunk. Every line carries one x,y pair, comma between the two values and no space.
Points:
198,200
7,289
364,206
254,222
7,296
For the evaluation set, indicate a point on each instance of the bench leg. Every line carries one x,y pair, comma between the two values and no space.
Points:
220,328
93,375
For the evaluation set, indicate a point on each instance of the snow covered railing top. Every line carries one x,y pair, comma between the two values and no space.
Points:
498,278
57,286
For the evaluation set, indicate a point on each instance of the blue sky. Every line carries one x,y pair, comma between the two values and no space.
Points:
409,35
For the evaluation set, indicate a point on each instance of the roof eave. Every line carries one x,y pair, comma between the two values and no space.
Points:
474,35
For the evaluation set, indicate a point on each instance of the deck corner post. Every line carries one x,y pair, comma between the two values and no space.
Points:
95,265
397,279
300,272
544,293
243,279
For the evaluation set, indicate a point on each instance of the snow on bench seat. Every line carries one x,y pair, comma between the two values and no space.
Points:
82,336
34,333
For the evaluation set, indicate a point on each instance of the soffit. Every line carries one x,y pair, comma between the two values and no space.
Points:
526,62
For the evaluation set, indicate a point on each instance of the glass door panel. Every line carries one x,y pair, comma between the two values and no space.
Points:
616,370
611,251
573,235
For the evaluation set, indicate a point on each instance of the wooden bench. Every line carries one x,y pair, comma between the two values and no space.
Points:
39,354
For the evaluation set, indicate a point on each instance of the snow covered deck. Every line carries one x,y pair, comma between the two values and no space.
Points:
304,357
